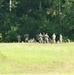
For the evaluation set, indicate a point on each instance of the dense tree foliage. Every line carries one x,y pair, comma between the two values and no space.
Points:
35,16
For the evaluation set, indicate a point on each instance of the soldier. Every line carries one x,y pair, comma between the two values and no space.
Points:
68,40
37,38
19,38
40,38
60,38
46,38
43,37
26,37
32,40
54,38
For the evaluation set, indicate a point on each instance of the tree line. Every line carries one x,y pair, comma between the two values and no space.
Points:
36,16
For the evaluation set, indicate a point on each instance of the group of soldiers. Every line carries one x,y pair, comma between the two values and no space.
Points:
26,36
41,38
44,38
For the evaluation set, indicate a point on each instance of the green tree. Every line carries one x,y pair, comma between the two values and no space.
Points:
35,16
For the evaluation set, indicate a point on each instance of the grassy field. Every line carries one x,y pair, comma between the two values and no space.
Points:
31,58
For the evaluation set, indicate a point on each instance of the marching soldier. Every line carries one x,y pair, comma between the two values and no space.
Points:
19,38
26,37
54,38
40,38
43,37
60,38
46,38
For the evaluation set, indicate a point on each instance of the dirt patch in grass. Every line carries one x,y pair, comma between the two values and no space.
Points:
2,57
43,68
11,66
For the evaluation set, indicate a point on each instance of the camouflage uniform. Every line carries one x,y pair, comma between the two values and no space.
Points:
60,38
37,37
46,38
19,38
40,38
54,38
43,37
26,37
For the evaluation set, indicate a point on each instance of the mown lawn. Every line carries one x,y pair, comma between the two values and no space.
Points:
34,58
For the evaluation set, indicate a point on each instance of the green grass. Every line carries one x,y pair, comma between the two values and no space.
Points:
31,58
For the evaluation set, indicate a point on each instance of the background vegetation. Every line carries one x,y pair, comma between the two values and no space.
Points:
35,16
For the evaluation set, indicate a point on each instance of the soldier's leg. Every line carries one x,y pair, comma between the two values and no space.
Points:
53,40
47,40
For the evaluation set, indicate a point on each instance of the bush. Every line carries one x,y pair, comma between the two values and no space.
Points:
0,37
